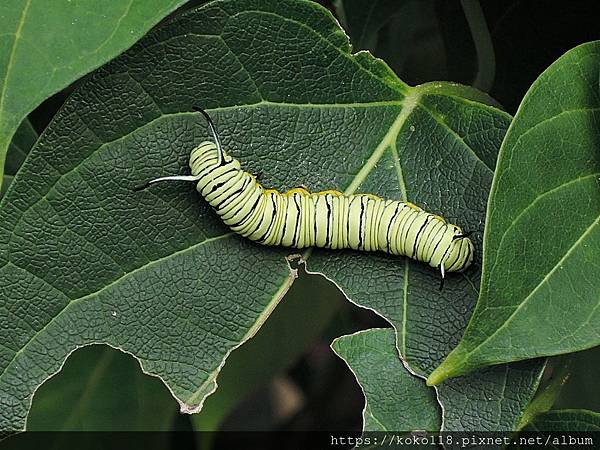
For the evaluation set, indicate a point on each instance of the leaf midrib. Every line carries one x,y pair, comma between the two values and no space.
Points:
554,268
408,105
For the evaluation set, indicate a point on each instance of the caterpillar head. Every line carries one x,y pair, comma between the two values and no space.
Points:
461,252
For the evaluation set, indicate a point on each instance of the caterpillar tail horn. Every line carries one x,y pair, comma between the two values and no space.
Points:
443,273
147,184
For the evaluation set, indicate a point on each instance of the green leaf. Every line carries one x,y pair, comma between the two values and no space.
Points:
395,400
540,290
105,390
44,48
20,145
83,259
492,399
311,300
573,420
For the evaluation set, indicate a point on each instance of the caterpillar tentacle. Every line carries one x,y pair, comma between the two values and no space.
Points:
329,219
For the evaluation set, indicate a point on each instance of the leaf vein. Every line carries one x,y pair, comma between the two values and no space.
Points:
103,288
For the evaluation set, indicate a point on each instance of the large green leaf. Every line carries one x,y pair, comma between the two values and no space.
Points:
540,288
45,47
85,260
311,300
394,399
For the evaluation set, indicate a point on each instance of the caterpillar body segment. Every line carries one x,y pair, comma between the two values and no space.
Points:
328,219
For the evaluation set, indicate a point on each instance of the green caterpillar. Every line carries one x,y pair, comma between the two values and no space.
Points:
328,219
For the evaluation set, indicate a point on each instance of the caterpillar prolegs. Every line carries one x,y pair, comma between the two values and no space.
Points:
329,219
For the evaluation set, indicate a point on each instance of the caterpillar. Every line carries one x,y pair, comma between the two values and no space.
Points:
328,219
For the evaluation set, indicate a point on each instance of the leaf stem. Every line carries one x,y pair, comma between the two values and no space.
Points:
546,396
486,60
